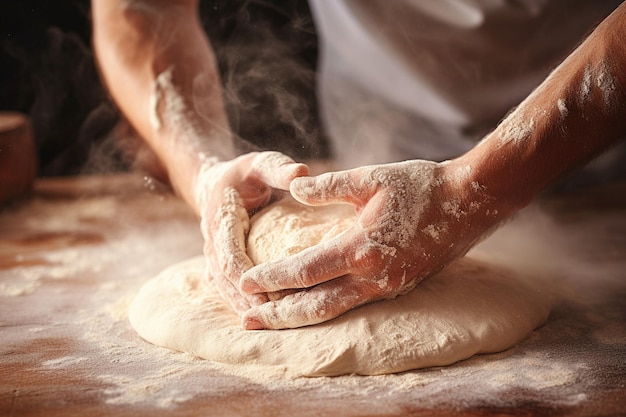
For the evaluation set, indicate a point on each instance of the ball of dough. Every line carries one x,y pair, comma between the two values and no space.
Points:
470,307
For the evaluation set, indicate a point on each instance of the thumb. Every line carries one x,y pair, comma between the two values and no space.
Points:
331,188
277,170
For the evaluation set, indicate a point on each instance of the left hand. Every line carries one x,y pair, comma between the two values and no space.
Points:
413,218
227,192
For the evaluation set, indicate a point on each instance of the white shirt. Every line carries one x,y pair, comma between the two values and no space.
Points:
403,79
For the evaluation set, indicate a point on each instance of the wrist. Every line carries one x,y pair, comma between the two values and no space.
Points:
478,196
203,175
492,171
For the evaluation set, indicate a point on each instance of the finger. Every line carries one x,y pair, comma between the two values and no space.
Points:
231,224
277,169
229,293
254,195
320,263
312,306
229,241
333,187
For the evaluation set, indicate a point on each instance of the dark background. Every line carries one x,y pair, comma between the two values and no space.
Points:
267,52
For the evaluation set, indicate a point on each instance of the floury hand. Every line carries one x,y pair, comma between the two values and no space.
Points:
227,192
413,218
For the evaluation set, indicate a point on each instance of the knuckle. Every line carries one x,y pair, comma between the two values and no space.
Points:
334,181
269,159
305,279
366,258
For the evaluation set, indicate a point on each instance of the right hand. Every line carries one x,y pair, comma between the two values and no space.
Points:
227,193
414,217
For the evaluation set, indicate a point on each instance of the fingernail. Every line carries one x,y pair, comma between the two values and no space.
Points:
252,323
302,170
250,287
258,299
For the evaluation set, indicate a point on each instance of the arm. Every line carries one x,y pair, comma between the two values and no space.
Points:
162,73
417,216
575,114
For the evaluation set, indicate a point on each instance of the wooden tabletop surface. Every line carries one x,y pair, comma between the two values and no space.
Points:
73,254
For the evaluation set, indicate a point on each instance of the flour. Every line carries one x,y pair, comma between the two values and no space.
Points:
550,369
606,83
585,86
409,205
452,208
312,225
462,174
50,216
517,128
190,120
166,378
160,83
127,390
435,231
20,289
233,225
64,362
562,106
598,77
173,105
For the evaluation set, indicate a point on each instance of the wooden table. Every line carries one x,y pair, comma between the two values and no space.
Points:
74,253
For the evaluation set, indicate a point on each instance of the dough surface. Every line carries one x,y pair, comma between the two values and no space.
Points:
470,307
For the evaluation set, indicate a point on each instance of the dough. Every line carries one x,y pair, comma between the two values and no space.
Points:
470,307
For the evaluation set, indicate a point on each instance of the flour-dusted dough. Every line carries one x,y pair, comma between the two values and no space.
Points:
470,307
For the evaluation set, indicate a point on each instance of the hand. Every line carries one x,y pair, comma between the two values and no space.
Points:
413,218
226,194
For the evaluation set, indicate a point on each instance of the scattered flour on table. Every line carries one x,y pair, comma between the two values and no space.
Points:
133,372
64,361
18,289
138,373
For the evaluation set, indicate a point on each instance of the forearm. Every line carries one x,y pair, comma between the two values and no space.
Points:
576,113
160,70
